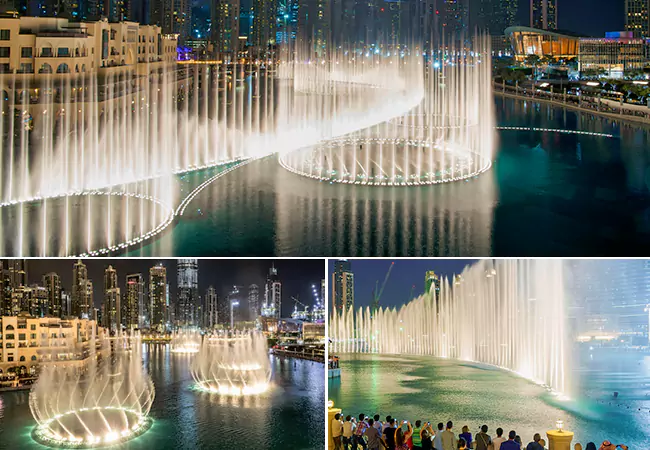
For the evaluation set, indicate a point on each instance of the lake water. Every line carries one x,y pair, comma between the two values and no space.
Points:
290,416
438,390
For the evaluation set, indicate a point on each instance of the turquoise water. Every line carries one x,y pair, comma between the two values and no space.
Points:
438,390
289,416
548,194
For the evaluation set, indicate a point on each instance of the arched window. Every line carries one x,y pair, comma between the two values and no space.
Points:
33,357
9,327
45,68
83,67
63,68
76,68
22,358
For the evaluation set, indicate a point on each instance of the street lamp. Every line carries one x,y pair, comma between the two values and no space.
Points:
233,303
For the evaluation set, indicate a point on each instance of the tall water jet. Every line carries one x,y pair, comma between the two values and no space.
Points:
446,135
233,365
104,403
509,313
186,342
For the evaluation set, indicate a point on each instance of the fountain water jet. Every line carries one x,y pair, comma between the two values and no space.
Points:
236,364
508,313
104,403
186,342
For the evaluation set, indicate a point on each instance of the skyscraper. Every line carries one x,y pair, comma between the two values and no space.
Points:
272,295
112,310
38,300
455,19
188,292
52,282
17,273
264,25
133,304
637,18
234,305
543,14
173,16
224,33
315,25
158,297
342,286
81,303
493,15
254,301
432,280
211,307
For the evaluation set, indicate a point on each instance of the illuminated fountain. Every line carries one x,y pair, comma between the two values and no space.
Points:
102,403
509,313
447,135
186,342
233,365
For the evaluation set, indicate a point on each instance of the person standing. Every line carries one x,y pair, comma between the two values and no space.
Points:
483,439
402,437
378,424
449,438
535,445
511,444
499,439
467,436
389,433
337,431
348,431
427,434
417,438
358,439
375,442
437,440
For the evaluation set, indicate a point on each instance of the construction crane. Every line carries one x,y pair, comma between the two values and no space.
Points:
299,314
376,293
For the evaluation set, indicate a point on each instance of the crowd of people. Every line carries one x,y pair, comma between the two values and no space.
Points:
366,433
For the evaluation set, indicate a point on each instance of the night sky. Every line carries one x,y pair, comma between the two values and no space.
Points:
405,274
296,276
588,17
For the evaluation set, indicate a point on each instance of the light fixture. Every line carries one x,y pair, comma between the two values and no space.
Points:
330,404
559,424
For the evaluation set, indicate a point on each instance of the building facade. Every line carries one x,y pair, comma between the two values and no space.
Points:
253,301
188,292
224,32
158,298
637,19
543,14
133,305
27,341
52,282
211,308
342,286
81,302
272,295
614,54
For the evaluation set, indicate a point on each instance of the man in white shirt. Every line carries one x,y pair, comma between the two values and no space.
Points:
337,431
497,441
348,430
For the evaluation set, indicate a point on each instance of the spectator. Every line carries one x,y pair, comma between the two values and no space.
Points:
375,442
449,438
535,445
389,433
417,438
542,442
467,436
348,431
590,446
511,444
462,444
387,423
337,431
578,446
437,440
483,440
378,424
401,437
358,439
519,441
427,434
499,439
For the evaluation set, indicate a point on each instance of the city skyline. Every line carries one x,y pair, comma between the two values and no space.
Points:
296,278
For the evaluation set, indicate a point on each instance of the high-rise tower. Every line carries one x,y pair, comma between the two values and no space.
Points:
188,292
342,286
